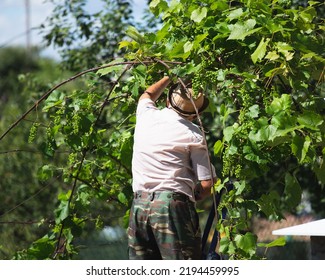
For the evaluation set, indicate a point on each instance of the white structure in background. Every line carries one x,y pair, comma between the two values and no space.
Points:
316,231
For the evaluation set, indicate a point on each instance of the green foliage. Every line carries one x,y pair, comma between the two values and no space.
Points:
254,58
22,218
260,63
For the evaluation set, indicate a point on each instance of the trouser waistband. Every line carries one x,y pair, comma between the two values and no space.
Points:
162,195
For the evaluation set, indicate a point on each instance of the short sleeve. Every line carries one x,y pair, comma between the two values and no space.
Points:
144,105
201,163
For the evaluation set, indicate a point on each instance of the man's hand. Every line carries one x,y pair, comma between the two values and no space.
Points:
203,189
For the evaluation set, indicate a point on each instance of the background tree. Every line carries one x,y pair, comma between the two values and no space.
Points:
86,39
23,78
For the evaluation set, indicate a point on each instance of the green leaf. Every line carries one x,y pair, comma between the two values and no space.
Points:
199,14
126,148
235,14
300,146
292,191
126,44
110,69
310,120
268,203
252,156
240,31
198,39
177,50
83,195
308,14
281,241
313,55
275,71
126,219
260,51
56,98
228,133
62,212
154,3
285,49
140,73
272,56
158,6
42,248
45,173
163,32
265,133
133,33
319,170
247,242
280,104
224,245
122,198
188,46
240,187
219,5
187,69
253,111
218,147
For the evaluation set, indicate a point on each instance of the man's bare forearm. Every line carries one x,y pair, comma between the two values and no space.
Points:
154,91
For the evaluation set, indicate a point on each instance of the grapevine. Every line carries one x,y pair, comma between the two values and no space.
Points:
262,122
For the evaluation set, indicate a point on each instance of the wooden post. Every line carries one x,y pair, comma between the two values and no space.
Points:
317,245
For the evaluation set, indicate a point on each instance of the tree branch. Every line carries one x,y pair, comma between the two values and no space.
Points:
47,94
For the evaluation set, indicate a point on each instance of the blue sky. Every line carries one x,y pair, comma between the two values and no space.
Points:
13,20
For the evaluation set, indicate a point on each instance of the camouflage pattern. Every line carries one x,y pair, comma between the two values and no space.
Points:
163,225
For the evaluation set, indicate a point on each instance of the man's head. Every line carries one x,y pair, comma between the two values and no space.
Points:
179,101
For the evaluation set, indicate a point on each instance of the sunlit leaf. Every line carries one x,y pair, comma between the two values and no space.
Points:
235,14
281,241
240,31
218,147
260,51
199,14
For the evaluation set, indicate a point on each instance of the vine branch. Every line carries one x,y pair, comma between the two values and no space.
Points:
47,94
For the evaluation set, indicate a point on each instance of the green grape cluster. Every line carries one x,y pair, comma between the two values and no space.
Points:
50,141
228,162
57,119
33,132
247,99
245,122
75,123
203,78
238,170
232,167
197,83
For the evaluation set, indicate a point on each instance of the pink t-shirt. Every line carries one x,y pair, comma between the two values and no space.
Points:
169,151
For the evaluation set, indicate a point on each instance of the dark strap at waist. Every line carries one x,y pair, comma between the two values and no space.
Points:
161,195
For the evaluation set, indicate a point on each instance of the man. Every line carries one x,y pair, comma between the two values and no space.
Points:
169,159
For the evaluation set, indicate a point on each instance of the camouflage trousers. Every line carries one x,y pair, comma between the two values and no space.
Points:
163,225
